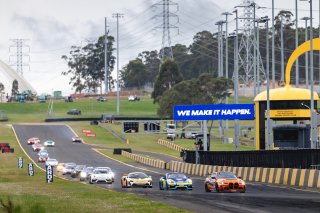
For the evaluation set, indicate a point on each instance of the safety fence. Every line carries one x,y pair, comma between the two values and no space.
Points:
171,145
144,160
298,158
285,176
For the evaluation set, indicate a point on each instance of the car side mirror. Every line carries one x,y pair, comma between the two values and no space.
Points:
240,177
164,177
214,178
150,177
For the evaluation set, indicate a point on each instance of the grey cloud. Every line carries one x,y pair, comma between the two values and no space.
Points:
47,31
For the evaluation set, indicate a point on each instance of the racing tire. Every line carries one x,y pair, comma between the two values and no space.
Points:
243,191
90,181
81,179
217,188
160,186
206,188
167,187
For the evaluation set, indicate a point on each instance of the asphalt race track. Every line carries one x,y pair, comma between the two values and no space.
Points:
258,197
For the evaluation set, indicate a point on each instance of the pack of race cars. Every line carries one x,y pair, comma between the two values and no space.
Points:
216,181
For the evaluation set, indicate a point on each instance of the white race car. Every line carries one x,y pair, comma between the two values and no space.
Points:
52,162
101,174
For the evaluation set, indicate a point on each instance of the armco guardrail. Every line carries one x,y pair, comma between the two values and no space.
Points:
171,145
148,161
285,176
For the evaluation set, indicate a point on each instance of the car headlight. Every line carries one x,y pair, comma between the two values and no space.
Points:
83,174
242,182
189,181
221,183
170,181
111,174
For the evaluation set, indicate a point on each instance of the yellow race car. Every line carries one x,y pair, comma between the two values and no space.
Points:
138,179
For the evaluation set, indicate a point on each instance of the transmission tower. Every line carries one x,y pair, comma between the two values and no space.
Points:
21,51
166,15
249,54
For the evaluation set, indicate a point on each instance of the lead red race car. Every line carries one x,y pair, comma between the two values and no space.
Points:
33,140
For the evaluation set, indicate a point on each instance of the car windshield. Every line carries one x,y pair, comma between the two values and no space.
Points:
70,167
177,176
43,152
89,170
100,171
137,175
80,167
227,175
52,160
44,155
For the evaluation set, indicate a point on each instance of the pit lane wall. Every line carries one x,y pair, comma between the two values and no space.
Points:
285,176
145,160
170,145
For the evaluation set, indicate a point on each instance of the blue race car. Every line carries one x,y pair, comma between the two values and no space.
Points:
175,180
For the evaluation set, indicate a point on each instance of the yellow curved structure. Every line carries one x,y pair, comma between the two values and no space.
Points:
303,48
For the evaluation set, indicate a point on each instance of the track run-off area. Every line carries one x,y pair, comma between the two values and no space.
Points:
258,197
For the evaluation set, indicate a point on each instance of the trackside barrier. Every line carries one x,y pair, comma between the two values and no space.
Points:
148,161
285,176
171,145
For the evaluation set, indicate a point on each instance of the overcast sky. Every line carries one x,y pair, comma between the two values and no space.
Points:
52,26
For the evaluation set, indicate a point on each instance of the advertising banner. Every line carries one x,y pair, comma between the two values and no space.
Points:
49,174
30,169
20,162
214,112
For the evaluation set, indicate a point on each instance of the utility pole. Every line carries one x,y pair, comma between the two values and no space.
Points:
313,114
266,21
282,51
166,15
106,66
306,54
236,84
117,16
272,51
227,59
22,51
257,63
297,43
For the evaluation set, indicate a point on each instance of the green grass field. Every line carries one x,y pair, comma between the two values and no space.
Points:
33,194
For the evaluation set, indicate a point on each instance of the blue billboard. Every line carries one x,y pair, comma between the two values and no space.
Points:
214,112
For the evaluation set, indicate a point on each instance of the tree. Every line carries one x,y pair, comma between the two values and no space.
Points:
134,74
86,65
152,62
203,90
168,76
15,88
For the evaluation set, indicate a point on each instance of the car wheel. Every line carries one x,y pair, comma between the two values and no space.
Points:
217,188
244,190
160,186
90,181
206,187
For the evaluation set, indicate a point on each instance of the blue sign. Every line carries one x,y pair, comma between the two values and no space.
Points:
49,174
30,169
214,112
20,162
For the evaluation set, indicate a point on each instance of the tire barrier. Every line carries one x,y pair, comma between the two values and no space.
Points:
171,145
285,176
144,160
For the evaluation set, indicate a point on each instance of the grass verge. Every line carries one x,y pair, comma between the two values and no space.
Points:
33,194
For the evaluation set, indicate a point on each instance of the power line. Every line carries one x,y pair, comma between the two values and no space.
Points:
21,51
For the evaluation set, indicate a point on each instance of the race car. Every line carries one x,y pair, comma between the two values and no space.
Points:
136,179
224,181
68,168
101,174
49,143
33,140
85,173
43,157
175,180
77,139
37,147
52,162
77,170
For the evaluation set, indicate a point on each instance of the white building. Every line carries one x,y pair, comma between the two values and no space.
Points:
7,76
